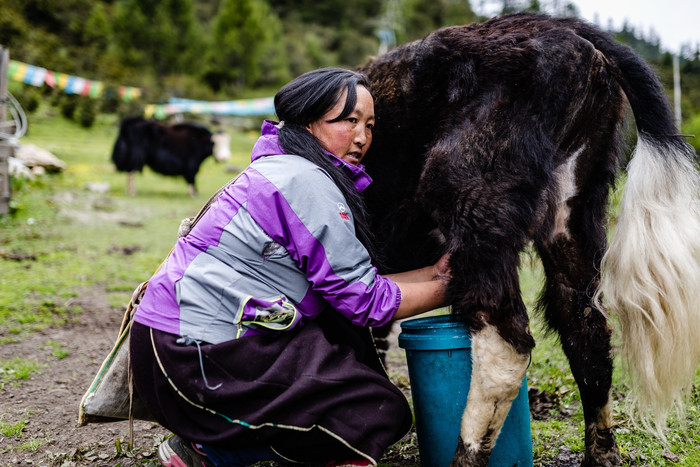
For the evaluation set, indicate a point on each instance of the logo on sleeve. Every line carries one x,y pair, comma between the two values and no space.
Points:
342,210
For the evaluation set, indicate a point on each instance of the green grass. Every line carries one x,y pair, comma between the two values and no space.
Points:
17,369
10,429
52,253
33,444
57,350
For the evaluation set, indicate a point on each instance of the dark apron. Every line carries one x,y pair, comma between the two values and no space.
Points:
315,394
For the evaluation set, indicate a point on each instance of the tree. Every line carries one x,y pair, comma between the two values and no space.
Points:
421,17
247,47
97,29
161,35
353,14
12,24
329,33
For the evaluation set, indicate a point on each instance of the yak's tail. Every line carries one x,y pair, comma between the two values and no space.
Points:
651,276
651,272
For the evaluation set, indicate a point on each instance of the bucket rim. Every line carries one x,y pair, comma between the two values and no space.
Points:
433,322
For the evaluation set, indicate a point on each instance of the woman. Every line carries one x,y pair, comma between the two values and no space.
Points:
251,342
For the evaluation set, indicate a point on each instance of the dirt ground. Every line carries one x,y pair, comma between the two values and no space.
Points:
50,397
49,400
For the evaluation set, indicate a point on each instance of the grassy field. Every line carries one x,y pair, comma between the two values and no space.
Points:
50,253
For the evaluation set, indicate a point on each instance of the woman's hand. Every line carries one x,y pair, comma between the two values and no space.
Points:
441,269
423,289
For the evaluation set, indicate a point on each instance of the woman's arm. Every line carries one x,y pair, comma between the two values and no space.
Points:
428,273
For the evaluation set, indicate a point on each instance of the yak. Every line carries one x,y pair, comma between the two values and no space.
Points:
176,150
494,136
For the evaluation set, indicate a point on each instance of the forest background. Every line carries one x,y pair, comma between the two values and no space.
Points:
218,50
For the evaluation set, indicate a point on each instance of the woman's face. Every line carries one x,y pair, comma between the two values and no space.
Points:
349,138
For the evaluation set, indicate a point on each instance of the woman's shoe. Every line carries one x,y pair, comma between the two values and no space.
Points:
176,452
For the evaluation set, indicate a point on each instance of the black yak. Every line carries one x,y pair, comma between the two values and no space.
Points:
176,150
492,136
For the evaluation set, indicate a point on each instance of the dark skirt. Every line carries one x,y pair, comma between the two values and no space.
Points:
316,394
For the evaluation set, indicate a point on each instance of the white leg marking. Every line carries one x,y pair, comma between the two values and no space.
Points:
566,178
604,421
497,373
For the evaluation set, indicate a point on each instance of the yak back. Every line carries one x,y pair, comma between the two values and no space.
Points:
177,149
181,150
517,81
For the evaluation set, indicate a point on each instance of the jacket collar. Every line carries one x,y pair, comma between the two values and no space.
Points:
268,145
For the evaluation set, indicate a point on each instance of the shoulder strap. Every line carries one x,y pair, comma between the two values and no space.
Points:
187,224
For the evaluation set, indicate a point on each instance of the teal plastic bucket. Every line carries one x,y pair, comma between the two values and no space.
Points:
438,352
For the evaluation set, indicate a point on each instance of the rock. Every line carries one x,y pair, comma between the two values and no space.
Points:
19,169
34,156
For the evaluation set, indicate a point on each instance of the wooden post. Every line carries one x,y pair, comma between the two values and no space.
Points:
6,149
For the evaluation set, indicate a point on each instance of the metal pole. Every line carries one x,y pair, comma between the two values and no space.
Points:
6,149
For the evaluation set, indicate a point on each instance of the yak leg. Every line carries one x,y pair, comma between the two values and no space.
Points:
570,246
497,374
485,236
585,339
130,185
488,299
190,173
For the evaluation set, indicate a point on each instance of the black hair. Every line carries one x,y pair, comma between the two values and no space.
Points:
305,100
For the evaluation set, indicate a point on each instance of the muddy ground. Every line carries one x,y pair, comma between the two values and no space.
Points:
49,400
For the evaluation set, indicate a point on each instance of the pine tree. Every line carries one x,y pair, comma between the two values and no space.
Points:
247,45
160,35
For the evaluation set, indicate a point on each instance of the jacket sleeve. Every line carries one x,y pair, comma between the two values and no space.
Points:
304,211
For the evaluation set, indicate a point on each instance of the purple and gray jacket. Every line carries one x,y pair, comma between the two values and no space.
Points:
272,252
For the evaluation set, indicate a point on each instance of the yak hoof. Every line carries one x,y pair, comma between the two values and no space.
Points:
467,458
601,449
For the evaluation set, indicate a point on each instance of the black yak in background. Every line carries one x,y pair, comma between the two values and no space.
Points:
176,150
492,136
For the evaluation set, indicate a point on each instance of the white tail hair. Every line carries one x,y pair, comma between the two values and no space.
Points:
650,276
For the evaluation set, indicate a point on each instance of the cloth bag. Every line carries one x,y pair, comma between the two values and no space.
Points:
110,397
